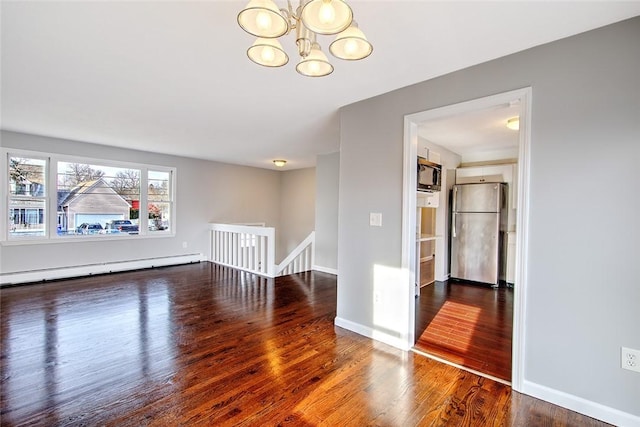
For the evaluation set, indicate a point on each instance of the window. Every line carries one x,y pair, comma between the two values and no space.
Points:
97,199
27,197
160,201
86,199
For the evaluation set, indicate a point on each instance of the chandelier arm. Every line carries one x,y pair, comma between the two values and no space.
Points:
291,22
305,39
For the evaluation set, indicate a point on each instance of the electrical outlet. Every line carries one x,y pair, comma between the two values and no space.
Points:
630,359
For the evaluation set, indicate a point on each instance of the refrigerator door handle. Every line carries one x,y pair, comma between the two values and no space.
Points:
455,210
454,224
455,197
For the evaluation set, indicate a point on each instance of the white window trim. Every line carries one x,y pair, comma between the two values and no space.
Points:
51,210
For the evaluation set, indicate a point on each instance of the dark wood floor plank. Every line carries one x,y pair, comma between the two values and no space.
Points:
468,325
204,345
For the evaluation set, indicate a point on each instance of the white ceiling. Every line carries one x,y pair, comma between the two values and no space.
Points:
173,76
476,135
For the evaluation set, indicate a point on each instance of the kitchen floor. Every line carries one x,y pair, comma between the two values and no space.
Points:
467,324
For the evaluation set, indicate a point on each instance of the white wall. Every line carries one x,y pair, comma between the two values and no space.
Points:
206,192
297,209
583,295
327,183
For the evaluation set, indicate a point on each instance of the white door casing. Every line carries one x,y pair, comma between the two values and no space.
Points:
411,122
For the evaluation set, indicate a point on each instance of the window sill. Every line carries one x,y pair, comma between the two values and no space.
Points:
83,239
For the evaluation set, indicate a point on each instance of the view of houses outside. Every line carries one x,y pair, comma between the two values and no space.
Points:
27,196
94,194
91,199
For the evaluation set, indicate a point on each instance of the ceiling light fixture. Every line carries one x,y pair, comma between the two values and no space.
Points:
279,163
262,19
513,123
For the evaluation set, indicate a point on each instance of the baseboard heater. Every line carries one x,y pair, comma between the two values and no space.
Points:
30,276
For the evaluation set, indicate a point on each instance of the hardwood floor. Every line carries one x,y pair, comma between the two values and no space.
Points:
467,324
204,345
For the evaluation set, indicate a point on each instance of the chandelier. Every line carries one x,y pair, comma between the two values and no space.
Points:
262,19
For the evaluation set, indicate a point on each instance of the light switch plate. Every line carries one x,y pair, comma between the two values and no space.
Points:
375,219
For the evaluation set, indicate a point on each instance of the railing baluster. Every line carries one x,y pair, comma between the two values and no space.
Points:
241,260
263,254
250,252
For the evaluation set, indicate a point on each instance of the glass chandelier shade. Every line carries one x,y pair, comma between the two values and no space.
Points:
315,64
262,18
268,52
351,44
326,16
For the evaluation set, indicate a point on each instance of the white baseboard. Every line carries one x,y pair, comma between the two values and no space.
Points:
90,269
580,405
443,278
372,333
325,269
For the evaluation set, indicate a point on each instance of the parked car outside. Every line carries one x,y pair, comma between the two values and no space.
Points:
86,228
121,226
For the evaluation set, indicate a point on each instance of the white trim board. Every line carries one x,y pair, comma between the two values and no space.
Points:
580,405
20,277
325,269
372,333
461,367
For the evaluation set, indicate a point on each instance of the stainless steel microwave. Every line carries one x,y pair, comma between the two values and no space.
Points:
429,175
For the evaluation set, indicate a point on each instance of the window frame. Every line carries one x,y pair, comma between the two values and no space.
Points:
171,199
7,200
51,196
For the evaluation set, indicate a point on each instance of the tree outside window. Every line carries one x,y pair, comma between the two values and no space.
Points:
27,197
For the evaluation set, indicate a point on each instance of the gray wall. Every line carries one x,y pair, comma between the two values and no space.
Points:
206,192
327,183
583,296
297,209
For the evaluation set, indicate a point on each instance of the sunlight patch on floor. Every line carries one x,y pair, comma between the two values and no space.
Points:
450,333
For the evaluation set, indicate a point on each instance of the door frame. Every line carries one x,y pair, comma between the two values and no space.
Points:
411,123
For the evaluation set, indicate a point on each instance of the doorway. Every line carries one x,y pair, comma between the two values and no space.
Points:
522,98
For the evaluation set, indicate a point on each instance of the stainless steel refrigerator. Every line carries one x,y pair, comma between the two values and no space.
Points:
478,232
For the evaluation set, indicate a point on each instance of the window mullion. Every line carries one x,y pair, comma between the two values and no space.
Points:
143,214
4,203
52,198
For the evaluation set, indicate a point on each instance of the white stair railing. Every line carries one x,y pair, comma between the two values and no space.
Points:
300,259
252,248
245,247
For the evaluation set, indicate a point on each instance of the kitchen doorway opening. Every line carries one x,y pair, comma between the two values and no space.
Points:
521,98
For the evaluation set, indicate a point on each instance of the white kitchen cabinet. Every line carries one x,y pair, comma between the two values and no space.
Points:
424,151
479,174
428,200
